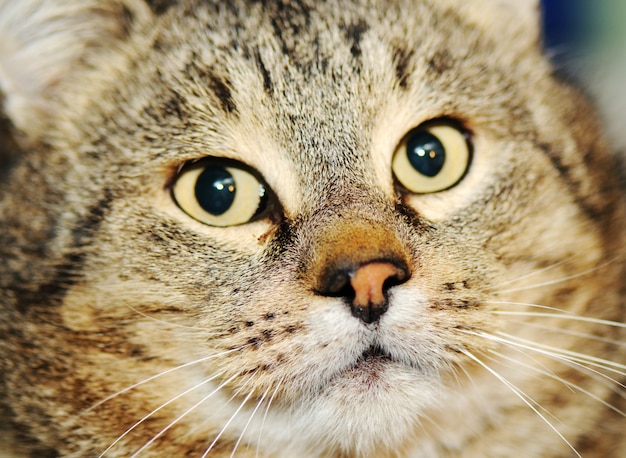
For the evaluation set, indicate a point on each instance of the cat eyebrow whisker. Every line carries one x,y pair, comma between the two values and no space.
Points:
522,396
182,415
559,280
144,418
156,376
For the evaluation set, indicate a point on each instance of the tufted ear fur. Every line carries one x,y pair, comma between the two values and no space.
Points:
516,21
45,45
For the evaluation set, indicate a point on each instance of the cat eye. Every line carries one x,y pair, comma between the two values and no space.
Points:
219,194
431,158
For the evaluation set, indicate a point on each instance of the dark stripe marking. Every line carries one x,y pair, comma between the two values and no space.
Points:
440,62
160,7
222,91
354,33
402,59
268,85
289,19
573,185
69,271
174,106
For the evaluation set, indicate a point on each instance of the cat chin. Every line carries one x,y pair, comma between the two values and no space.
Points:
376,401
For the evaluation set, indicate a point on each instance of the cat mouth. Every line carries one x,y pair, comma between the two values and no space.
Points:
372,361
374,352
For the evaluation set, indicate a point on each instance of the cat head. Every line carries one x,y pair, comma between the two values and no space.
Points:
314,223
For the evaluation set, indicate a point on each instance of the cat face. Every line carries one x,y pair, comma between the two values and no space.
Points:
344,229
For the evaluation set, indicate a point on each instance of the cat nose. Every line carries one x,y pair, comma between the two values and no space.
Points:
365,286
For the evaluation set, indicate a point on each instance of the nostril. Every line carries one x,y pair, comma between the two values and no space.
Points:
400,276
337,284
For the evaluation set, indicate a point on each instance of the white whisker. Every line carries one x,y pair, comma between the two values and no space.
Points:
555,353
558,280
570,385
175,398
156,376
181,416
525,352
535,376
565,316
232,417
582,366
570,332
536,272
523,397
528,304
267,409
608,365
256,408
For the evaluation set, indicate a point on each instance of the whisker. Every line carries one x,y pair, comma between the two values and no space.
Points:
537,272
613,384
560,280
156,376
556,353
457,378
608,365
129,430
565,316
523,397
525,353
188,339
256,408
517,364
528,304
232,417
570,385
584,367
572,333
267,409
181,416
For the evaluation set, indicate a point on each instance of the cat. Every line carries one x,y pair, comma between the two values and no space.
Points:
301,228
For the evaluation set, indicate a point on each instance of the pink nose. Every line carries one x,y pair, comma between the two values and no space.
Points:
365,287
368,283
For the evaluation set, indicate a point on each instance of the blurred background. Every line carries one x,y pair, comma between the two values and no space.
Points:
586,39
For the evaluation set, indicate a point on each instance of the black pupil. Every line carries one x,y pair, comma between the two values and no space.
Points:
215,190
426,153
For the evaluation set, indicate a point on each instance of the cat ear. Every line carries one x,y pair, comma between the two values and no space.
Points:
46,45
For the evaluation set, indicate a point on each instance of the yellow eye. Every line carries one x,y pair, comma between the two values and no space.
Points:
431,158
219,195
